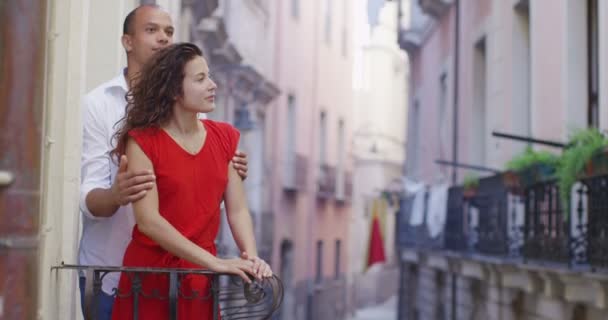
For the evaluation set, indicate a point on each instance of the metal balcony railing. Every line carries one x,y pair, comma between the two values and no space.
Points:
528,224
546,229
590,222
487,216
232,298
456,228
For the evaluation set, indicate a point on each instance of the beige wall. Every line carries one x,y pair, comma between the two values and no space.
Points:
65,87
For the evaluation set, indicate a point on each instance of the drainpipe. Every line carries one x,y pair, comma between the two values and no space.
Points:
455,133
456,108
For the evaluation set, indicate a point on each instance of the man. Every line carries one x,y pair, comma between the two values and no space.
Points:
107,190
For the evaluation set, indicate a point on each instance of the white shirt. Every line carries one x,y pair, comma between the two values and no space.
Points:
104,240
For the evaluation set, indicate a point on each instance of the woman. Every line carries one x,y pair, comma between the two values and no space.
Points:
178,219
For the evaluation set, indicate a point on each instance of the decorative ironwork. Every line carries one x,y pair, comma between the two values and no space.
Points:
456,230
415,236
546,228
590,222
233,298
490,225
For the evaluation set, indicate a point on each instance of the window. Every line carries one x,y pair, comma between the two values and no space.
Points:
344,42
414,140
323,138
290,143
341,155
344,28
337,266
521,71
328,16
319,275
593,63
295,9
479,102
442,124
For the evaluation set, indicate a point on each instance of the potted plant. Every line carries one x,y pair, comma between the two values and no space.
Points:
585,155
531,167
511,180
470,185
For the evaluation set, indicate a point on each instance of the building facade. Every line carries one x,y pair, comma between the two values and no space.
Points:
534,69
312,169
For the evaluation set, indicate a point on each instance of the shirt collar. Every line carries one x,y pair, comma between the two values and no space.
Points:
119,81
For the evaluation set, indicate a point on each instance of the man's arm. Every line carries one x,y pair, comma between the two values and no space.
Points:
99,195
239,162
127,187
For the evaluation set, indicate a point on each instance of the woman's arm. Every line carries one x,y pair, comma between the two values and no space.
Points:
241,224
238,214
156,227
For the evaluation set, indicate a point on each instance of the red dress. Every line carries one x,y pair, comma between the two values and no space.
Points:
190,191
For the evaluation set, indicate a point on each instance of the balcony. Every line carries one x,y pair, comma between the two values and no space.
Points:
435,8
326,182
345,193
519,226
232,298
296,173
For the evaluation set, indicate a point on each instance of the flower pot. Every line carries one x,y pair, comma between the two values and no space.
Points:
468,193
537,173
598,164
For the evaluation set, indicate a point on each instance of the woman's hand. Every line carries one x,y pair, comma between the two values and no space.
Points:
236,266
261,269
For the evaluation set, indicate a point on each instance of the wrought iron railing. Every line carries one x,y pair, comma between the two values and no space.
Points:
456,226
532,224
231,297
487,214
415,235
546,228
590,222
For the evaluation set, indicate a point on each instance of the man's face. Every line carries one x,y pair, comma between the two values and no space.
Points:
152,30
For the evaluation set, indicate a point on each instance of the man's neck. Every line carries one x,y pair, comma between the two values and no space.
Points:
133,69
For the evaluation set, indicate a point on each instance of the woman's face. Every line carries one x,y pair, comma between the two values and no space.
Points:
198,88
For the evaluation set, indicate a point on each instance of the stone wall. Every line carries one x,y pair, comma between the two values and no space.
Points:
498,290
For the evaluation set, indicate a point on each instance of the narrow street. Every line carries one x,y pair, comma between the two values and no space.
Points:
385,311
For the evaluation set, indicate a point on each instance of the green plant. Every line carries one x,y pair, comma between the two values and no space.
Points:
583,145
531,158
470,181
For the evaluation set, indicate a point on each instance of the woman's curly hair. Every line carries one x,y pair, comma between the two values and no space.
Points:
153,92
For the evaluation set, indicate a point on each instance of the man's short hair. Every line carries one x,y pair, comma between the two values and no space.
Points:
127,25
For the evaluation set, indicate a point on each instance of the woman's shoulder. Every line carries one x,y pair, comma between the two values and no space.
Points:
222,128
148,133
218,125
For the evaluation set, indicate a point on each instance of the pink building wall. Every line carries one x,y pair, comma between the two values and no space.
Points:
556,71
320,79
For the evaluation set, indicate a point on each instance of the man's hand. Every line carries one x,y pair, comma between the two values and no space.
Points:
239,161
131,186
261,269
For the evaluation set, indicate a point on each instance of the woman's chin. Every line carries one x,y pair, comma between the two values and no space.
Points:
207,109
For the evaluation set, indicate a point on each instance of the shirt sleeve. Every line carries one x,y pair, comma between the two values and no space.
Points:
95,161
